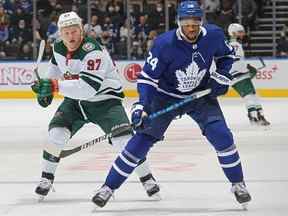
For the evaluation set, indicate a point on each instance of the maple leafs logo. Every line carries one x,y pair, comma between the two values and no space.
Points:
190,78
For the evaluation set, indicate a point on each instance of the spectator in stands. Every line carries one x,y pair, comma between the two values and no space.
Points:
111,29
106,40
156,18
58,9
225,16
249,12
142,27
52,31
25,5
113,11
96,9
4,23
26,52
124,31
47,7
284,31
211,8
18,15
94,27
116,6
282,46
21,34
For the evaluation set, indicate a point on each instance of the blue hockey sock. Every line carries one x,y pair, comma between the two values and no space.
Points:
128,159
221,138
122,167
231,164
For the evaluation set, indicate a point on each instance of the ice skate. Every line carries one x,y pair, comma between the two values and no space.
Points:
43,188
102,196
253,119
241,193
151,187
262,121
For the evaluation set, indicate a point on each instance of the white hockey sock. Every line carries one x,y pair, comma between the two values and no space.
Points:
143,169
119,143
252,101
57,138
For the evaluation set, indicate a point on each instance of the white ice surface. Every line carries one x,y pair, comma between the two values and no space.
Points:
186,166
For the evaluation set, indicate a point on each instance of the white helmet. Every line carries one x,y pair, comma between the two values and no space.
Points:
69,19
234,28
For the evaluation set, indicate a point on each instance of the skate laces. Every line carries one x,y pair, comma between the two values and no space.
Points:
149,184
239,188
46,184
105,193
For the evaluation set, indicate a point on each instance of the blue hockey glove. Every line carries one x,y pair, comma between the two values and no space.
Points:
138,116
217,89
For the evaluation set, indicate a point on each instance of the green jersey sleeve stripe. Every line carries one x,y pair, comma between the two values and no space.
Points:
120,95
53,60
91,75
94,84
109,88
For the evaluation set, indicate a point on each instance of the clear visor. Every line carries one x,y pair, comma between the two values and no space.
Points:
189,21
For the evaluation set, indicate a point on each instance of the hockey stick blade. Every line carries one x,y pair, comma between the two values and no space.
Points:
120,130
39,58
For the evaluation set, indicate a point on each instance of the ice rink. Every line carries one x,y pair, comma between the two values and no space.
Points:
185,165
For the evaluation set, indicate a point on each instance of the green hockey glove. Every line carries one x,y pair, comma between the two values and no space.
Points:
252,71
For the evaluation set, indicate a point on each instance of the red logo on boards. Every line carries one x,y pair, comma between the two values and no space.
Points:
131,71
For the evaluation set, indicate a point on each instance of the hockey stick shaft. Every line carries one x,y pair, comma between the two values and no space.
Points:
39,58
66,153
247,75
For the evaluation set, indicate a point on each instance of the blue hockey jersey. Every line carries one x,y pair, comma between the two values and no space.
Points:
177,68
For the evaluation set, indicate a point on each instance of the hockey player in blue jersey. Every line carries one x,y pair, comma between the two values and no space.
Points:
177,66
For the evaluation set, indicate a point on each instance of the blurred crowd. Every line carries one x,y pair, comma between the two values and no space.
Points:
108,23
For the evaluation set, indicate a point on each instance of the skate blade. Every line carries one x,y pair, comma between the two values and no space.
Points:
245,206
156,197
41,198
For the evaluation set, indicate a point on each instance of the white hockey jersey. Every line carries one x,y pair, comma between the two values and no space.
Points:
239,66
88,73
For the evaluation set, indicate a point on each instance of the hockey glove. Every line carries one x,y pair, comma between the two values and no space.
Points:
138,117
252,70
44,88
217,89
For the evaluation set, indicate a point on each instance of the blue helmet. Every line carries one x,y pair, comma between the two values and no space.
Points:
189,9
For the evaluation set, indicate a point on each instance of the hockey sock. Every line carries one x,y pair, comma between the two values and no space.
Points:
231,164
220,136
57,138
128,160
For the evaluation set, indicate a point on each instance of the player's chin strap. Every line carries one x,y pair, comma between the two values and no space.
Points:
180,34
125,128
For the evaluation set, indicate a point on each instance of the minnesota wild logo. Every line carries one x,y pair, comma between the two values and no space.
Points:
88,46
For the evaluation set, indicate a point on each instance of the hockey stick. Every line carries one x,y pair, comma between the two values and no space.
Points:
225,81
39,58
117,131
247,75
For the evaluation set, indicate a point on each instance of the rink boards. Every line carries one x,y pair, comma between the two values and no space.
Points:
17,76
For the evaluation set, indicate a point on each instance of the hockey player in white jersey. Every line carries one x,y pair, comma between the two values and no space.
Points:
245,87
83,72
